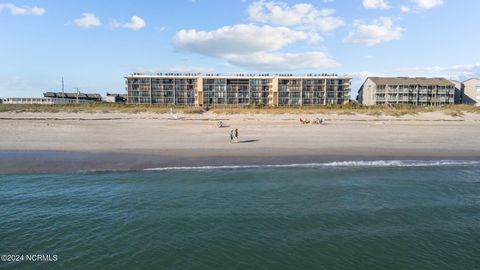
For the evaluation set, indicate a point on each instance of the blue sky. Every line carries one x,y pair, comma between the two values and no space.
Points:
93,44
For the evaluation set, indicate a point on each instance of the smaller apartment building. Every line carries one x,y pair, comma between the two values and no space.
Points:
471,92
408,91
239,90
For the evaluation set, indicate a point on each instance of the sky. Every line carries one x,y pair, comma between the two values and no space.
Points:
93,44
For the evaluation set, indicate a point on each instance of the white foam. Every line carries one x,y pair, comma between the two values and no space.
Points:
377,163
402,163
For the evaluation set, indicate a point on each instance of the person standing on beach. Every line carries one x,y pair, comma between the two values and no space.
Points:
231,135
236,135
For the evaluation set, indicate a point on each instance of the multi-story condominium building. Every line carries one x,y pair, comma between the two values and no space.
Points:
404,90
471,92
241,89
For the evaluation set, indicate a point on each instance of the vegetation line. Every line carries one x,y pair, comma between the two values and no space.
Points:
348,109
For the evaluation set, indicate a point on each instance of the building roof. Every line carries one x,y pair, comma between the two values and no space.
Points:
472,79
72,95
96,96
238,76
411,81
49,94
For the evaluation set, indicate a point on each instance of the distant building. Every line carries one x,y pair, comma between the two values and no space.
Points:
116,98
471,92
75,96
458,91
405,90
239,90
43,101
51,98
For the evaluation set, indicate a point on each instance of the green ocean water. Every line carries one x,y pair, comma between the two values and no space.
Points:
352,216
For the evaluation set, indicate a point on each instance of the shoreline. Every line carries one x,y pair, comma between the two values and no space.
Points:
20,162
34,142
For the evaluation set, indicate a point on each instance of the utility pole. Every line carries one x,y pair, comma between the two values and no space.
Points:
78,92
63,88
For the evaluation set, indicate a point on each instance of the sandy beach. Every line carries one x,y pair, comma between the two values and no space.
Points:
91,141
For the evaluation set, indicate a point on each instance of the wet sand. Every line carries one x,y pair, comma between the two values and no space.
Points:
34,142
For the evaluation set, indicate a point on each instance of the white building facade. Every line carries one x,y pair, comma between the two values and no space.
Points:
471,92
43,100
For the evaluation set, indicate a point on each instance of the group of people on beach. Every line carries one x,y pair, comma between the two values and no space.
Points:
234,135
233,132
316,121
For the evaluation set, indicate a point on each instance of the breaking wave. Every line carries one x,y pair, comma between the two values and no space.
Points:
377,163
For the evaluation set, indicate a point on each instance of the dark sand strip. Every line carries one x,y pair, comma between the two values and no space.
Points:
58,161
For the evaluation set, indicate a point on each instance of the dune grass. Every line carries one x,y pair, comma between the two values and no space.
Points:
350,109
347,109
97,108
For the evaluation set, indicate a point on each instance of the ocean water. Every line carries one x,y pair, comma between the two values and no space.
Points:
347,215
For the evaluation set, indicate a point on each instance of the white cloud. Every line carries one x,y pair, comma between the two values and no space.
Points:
24,10
179,69
379,31
135,24
428,4
239,39
457,72
420,5
376,4
456,68
88,20
363,75
302,15
283,61
405,9
253,46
